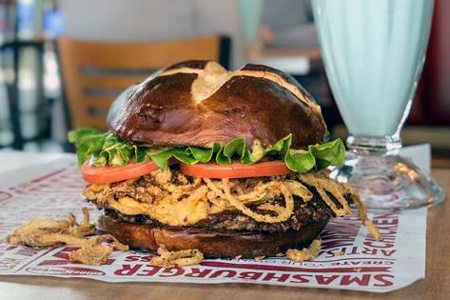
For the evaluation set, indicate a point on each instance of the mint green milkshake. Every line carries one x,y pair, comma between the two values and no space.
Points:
371,50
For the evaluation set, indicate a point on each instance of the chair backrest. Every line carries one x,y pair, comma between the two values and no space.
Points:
94,73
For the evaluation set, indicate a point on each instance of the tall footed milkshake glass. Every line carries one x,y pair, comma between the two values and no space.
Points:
373,51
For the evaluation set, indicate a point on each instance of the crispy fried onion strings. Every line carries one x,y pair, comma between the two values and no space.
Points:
48,233
306,253
362,212
323,184
93,252
283,213
169,259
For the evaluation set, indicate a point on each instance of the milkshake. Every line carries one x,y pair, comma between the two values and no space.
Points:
373,52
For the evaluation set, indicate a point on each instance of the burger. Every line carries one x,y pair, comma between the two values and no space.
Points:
227,163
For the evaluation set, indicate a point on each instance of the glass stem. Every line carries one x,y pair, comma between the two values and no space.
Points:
369,145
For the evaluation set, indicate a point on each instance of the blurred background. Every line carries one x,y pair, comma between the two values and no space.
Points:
63,62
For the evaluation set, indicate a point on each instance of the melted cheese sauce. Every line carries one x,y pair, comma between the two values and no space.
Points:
181,213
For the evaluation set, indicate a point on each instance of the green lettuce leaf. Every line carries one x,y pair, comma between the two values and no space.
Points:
109,149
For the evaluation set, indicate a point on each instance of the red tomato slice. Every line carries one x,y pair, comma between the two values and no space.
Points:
93,174
235,170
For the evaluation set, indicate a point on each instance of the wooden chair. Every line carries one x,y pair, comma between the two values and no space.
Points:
94,73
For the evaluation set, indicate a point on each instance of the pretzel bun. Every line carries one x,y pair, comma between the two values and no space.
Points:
196,103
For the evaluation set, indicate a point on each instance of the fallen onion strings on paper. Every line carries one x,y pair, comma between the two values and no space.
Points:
41,233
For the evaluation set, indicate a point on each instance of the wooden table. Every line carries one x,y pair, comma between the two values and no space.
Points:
435,286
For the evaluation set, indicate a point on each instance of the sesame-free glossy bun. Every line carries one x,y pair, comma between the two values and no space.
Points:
196,103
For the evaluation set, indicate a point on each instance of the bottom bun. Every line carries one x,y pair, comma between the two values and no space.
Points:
212,244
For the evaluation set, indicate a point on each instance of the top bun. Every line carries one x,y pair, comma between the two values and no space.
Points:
196,103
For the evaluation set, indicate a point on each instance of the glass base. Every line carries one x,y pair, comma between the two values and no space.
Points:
388,181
